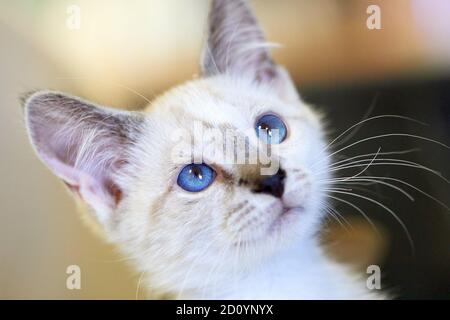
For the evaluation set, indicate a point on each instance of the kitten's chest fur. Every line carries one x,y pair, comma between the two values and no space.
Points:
300,272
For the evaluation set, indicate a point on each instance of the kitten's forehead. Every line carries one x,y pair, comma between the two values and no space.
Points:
218,102
202,114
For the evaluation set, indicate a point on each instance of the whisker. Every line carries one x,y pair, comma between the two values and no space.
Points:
138,287
358,126
354,186
133,91
374,118
363,161
402,224
401,163
383,183
367,167
372,225
411,186
332,215
339,189
373,153
389,135
337,216
112,83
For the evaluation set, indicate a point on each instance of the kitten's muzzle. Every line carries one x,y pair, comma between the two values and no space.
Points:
273,185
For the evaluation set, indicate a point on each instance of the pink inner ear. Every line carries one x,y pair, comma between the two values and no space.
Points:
82,144
63,171
236,44
114,191
91,189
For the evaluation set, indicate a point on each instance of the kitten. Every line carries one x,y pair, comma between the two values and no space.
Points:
202,227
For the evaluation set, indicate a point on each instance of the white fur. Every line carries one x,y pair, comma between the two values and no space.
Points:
183,249
225,241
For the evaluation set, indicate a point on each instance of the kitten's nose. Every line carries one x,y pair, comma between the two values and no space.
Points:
273,185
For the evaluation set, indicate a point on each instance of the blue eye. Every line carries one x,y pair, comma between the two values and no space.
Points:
265,126
196,177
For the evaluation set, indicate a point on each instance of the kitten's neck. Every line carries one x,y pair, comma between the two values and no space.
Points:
300,272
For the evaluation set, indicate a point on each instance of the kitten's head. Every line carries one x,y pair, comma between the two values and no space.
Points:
215,176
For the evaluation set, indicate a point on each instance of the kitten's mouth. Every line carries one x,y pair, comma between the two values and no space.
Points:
285,219
286,216
286,209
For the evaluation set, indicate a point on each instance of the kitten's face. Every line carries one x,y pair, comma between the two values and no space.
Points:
126,167
228,225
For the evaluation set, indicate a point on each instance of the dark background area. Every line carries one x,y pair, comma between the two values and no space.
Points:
426,274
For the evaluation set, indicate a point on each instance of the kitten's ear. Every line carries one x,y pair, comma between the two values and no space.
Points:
84,145
236,45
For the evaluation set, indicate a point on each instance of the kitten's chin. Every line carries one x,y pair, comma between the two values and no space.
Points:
283,229
287,217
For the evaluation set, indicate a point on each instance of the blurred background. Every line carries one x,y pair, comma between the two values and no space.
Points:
122,51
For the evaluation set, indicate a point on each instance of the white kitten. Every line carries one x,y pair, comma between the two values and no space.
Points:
213,229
